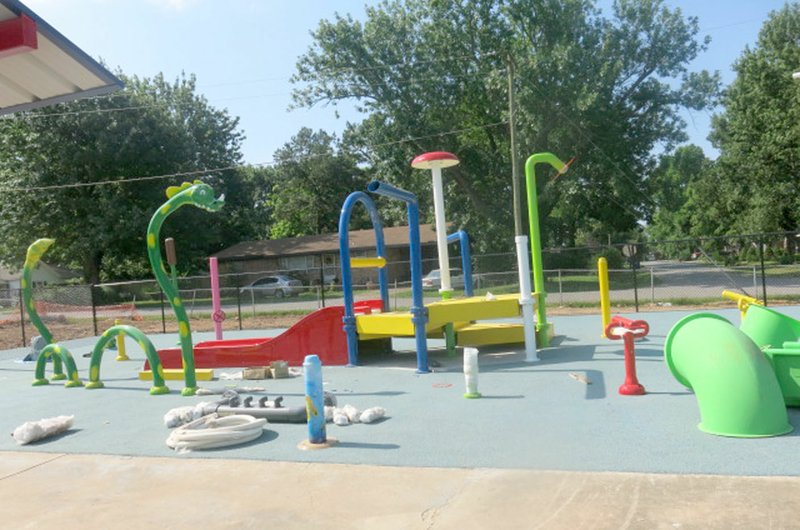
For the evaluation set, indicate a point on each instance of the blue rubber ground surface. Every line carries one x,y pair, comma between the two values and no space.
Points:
532,416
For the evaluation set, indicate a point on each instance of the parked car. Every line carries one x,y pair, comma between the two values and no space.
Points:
433,280
278,286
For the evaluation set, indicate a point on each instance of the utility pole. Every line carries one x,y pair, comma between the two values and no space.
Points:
513,139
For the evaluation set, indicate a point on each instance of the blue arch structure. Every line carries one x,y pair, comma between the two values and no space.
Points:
466,259
419,313
349,319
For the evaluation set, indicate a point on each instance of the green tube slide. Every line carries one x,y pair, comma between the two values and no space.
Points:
768,328
737,391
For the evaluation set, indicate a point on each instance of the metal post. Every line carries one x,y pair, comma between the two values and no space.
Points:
239,304
22,317
322,280
94,309
763,272
512,140
560,288
652,287
755,280
635,287
163,315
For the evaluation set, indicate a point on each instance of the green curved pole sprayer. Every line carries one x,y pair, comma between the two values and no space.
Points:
62,354
32,258
144,343
202,196
542,338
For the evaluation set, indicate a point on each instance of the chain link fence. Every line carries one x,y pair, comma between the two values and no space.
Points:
642,276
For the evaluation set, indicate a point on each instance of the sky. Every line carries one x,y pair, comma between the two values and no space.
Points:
243,52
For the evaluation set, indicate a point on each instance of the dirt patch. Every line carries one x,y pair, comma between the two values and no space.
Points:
66,329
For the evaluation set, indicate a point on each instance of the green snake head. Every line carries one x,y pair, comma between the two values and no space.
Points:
200,195
36,251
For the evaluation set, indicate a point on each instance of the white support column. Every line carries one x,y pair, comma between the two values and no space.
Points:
526,299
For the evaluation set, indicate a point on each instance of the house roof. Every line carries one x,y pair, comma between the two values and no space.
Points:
45,69
60,272
395,236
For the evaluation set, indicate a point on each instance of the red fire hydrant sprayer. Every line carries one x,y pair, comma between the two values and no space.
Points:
628,330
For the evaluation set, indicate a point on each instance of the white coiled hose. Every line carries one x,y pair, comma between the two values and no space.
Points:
213,431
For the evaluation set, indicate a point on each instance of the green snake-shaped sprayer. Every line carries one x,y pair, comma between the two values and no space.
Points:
61,354
202,196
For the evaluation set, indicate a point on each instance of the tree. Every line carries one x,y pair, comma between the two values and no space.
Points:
56,165
310,181
431,75
758,135
672,187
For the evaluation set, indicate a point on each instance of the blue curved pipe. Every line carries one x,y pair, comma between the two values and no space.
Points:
349,319
466,258
419,313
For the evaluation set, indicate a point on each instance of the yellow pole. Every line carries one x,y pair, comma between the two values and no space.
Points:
742,301
121,355
605,302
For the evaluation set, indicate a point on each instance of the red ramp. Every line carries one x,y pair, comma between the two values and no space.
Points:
318,333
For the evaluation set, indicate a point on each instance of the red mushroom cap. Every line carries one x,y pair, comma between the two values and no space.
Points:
435,159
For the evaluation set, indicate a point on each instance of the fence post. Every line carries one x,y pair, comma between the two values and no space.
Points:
560,289
755,281
239,303
652,287
163,316
635,288
22,317
763,271
322,279
94,309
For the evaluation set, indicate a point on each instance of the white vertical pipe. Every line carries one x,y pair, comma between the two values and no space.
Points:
525,298
471,373
441,229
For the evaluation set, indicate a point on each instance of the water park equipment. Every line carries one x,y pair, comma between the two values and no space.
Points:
743,302
201,196
217,315
435,161
543,329
319,332
471,373
605,299
778,336
736,388
628,331
315,406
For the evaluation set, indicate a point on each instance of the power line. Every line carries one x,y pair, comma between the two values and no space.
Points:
201,172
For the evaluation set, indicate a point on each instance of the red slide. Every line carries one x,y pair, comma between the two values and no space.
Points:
318,333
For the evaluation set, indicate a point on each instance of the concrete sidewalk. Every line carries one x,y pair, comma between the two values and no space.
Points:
59,490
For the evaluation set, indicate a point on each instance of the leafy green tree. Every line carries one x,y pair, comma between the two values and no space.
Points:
432,75
758,136
309,182
56,164
673,187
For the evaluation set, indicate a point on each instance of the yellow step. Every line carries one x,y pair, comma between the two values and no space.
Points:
176,374
489,334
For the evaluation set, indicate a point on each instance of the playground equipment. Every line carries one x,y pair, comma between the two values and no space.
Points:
435,161
736,388
543,330
471,373
315,406
319,332
371,319
605,299
743,302
628,331
217,315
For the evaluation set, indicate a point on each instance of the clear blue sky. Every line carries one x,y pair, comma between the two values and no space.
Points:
243,52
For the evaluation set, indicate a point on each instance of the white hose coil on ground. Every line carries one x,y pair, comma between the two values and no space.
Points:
213,431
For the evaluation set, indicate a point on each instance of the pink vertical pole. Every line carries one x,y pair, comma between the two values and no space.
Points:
218,315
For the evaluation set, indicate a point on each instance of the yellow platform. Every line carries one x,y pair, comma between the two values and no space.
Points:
176,374
489,334
460,312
